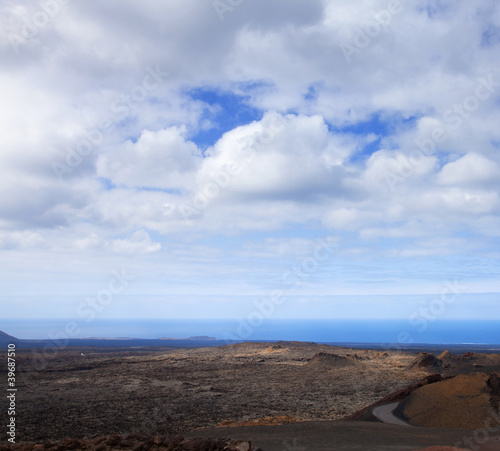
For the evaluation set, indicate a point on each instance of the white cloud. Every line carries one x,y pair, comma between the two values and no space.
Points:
342,218
335,148
466,202
93,241
292,157
20,240
161,159
470,169
387,170
138,243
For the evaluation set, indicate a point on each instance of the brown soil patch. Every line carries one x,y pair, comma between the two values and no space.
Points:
441,448
266,421
462,402
275,349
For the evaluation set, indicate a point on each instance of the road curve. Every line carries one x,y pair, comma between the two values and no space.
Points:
385,414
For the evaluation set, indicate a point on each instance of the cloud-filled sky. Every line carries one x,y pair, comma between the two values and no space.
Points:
330,152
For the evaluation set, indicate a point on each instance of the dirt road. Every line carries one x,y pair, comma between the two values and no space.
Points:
385,414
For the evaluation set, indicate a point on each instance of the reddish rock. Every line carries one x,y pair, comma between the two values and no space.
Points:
113,440
441,448
493,444
135,442
98,440
71,444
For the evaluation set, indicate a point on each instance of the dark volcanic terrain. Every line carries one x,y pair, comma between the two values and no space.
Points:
166,391
176,390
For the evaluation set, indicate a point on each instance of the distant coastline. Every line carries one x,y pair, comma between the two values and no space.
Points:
354,333
202,342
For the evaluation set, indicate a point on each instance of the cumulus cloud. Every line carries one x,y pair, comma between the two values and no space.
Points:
398,141
472,168
161,159
283,157
385,170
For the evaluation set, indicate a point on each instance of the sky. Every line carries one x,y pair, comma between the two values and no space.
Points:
192,158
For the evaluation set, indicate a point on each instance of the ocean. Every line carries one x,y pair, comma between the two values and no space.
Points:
321,330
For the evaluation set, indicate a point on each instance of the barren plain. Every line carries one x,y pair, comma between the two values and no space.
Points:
173,391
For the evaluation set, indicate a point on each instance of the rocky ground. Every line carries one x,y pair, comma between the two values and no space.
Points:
87,395
449,364
135,442
171,391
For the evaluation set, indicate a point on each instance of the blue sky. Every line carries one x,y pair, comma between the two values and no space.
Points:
315,150
224,111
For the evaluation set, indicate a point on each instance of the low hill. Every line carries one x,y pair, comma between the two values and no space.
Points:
449,364
465,401
6,338
326,359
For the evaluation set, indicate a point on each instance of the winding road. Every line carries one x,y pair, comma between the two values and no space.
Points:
385,414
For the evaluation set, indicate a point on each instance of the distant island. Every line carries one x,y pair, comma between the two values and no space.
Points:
197,338
195,341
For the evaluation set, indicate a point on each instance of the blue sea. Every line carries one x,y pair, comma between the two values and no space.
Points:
326,331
